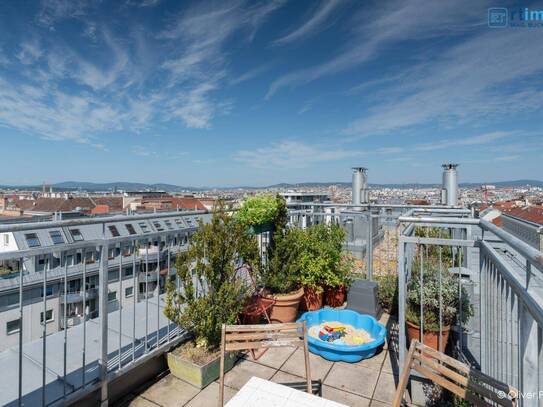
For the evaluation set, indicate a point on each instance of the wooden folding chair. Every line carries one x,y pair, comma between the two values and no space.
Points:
457,377
251,337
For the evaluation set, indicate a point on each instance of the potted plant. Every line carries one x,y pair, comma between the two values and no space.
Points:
387,291
451,305
280,276
258,213
321,264
335,293
213,294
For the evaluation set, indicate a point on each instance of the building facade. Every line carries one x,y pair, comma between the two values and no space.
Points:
137,268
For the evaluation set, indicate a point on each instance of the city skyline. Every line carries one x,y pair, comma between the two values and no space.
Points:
259,93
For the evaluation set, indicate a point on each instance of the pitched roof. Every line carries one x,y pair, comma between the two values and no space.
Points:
187,202
62,205
530,213
115,203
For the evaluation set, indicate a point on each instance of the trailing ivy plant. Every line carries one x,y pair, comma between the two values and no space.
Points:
212,291
258,210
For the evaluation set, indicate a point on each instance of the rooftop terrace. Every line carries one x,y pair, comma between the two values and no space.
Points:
371,382
502,272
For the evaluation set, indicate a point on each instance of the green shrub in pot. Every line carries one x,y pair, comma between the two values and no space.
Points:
216,250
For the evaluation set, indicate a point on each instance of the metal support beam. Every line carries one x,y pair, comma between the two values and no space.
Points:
438,241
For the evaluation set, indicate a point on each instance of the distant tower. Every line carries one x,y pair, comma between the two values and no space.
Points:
360,186
449,190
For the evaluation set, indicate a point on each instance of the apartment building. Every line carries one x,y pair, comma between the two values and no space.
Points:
137,268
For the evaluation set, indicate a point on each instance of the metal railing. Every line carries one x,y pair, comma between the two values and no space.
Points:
70,364
504,277
508,300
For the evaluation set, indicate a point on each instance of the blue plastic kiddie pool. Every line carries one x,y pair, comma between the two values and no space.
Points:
342,352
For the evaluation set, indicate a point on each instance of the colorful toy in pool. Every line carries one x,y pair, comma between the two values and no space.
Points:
331,334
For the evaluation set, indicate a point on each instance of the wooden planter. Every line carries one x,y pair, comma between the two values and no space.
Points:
335,296
198,375
311,300
431,338
285,307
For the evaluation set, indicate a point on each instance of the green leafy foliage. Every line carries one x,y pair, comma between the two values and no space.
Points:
451,304
258,210
388,292
216,251
322,261
311,257
281,274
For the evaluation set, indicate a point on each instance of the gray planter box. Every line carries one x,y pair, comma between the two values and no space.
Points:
199,376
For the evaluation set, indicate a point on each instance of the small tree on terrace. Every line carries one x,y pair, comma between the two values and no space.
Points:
216,252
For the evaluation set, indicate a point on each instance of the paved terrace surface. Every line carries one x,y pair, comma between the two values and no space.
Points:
371,382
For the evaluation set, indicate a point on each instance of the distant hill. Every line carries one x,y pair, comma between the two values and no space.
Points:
136,186
125,186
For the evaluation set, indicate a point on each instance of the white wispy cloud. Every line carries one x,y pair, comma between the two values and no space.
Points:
469,81
143,3
52,11
507,158
72,90
250,74
314,24
143,151
479,139
371,32
199,67
29,52
292,154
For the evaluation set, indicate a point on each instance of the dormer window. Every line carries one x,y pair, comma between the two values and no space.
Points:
114,231
32,240
76,235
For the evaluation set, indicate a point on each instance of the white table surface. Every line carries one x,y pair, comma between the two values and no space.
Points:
258,392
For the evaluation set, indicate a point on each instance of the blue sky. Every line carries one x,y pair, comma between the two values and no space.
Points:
254,93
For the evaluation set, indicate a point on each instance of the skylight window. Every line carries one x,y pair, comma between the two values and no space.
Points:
32,240
76,235
56,237
168,224
130,228
144,227
158,225
114,231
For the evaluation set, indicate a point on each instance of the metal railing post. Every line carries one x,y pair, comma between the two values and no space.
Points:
401,302
103,301
529,357
20,383
369,247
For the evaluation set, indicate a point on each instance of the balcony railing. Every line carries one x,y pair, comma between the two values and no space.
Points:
62,367
504,273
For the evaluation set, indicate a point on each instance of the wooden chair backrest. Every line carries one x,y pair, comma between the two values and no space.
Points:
457,377
250,337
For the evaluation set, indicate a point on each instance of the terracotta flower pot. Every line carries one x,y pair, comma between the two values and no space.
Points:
285,307
335,296
431,338
311,300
